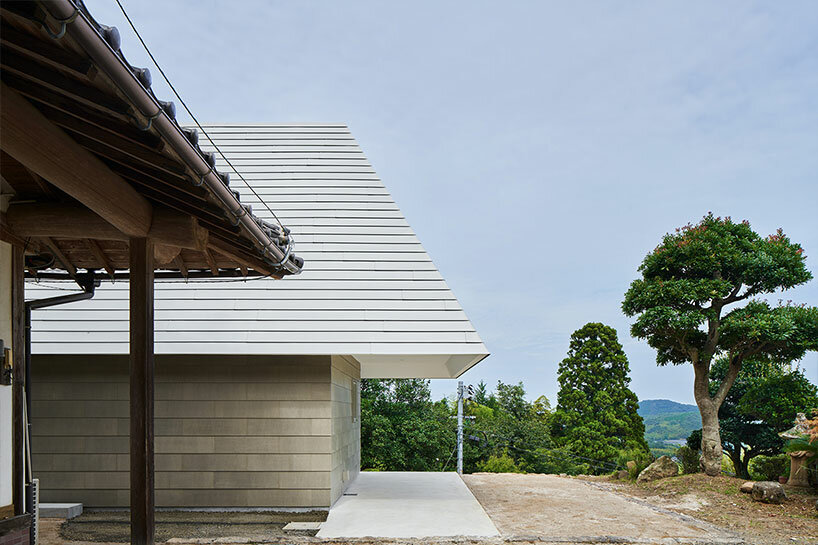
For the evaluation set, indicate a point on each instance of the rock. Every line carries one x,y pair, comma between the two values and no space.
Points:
623,474
631,466
660,469
768,492
563,474
747,487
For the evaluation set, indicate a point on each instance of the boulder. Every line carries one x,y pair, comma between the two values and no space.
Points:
768,492
660,469
747,487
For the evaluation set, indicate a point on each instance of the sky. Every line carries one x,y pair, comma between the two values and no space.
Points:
539,149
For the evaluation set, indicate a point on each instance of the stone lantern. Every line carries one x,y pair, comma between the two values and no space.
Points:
799,476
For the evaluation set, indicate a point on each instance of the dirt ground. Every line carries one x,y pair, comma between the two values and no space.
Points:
95,527
553,506
718,501
525,508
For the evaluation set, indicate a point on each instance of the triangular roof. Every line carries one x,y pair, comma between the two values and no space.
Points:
368,288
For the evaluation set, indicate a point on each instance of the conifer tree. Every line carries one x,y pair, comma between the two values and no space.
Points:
596,414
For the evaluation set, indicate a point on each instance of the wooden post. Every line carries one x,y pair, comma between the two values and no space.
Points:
18,343
141,377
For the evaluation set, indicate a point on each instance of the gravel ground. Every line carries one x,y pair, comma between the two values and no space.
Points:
552,506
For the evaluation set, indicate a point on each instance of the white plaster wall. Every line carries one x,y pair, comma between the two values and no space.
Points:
5,391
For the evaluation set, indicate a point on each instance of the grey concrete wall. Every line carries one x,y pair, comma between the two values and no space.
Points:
244,431
346,423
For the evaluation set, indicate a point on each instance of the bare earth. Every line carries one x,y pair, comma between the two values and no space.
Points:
552,506
690,509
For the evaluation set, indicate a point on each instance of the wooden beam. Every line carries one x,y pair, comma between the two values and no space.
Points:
67,265
240,257
180,264
97,116
59,220
164,254
55,80
18,342
141,366
36,143
96,249
43,51
211,262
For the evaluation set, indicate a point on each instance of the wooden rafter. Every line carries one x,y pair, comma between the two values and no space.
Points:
211,262
44,52
43,95
96,249
63,84
180,264
34,141
72,270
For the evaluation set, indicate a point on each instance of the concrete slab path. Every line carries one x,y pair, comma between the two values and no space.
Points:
407,504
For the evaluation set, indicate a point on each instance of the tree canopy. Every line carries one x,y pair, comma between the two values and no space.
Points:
681,307
596,415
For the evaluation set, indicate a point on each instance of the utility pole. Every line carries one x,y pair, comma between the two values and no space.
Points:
460,427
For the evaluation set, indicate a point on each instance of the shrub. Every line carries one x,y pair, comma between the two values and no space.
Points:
499,464
769,468
688,459
727,465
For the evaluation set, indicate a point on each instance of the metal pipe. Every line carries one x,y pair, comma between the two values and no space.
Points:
87,293
81,30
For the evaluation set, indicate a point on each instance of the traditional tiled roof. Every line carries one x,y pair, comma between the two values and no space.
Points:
368,289
71,69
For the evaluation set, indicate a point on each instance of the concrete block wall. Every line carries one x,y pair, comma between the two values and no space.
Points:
244,431
346,423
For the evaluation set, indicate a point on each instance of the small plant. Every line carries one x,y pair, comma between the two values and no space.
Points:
769,468
688,459
499,464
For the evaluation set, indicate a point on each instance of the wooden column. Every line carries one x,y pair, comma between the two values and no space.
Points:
141,378
18,343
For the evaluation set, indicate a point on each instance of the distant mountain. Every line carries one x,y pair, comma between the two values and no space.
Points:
667,422
664,406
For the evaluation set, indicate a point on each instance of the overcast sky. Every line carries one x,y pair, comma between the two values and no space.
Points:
538,149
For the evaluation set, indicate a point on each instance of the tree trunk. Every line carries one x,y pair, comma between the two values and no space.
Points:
711,439
744,471
710,461
739,464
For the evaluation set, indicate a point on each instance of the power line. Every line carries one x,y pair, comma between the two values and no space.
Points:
196,121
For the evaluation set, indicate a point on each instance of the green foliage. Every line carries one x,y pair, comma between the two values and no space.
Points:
499,464
688,459
763,401
681,305
401,429
769,468
596,415
697,271
650,407
663,427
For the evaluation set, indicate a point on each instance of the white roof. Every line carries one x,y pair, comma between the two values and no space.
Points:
368,288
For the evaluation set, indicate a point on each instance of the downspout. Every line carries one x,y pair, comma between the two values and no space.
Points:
87,283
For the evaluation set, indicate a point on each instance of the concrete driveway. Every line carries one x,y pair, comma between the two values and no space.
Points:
405,505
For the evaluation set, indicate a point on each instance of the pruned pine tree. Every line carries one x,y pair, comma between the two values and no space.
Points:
685,307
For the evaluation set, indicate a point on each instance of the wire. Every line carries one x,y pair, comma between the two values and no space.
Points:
196,121
450,458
